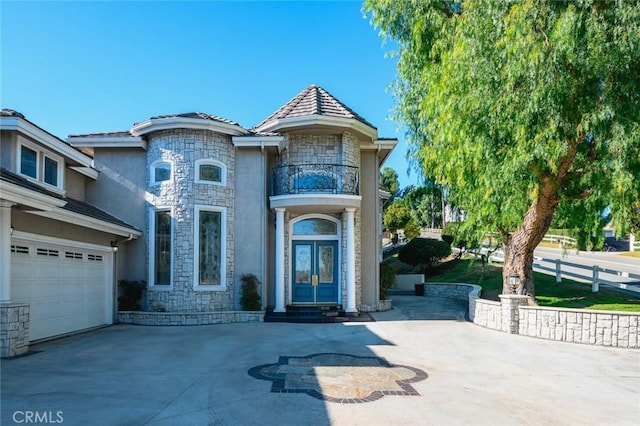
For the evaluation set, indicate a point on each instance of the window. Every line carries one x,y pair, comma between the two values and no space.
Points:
211,171
50,171
39,164
162,248
315,226
210,238
28,162
160,171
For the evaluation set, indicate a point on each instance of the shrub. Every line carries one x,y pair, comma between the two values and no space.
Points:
250,299
387,278
411,230
424,252
131,293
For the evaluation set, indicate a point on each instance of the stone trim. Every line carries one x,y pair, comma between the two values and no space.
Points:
188,318
14,329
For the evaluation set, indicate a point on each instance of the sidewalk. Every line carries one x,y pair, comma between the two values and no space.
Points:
403,369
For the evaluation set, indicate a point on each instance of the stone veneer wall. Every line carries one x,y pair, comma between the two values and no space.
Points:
183,147
604,328
14,329
188,318
460,291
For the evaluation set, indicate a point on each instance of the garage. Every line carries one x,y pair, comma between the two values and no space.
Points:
68,284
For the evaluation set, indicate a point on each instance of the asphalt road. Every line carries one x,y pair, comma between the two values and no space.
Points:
625,265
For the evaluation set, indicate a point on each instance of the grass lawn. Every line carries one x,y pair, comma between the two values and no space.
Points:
568,294
630,254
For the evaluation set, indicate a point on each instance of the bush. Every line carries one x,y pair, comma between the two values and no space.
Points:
250,299
131,293
411,230
424,252
387,279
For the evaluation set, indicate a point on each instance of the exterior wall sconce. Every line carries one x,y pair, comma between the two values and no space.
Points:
514,282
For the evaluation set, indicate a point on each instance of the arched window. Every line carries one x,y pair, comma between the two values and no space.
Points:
315,226
161,171
211,171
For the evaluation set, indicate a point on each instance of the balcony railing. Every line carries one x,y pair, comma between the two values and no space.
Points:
316,179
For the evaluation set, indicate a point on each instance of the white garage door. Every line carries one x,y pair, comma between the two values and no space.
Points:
67,284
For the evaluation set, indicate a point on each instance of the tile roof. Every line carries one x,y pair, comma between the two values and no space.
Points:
6,112
7,176
73,205
122,134
86,209
199,115
314,100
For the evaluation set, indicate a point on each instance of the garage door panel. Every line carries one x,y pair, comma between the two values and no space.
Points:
67,292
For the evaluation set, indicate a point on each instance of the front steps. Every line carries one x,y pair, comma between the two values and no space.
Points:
315,314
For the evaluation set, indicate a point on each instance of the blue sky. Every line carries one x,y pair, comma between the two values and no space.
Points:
82,67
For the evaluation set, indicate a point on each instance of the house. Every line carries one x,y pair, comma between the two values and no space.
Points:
189,203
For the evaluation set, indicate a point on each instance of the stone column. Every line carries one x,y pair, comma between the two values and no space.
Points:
510,315
351,261
5,251
279,288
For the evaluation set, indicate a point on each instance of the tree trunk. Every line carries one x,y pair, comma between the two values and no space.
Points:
519,246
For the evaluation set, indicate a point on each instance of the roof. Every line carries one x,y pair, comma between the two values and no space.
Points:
87,209
122,134
199,115
72,205
6,112
314,100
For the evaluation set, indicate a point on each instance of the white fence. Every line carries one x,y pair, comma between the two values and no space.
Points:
557,239
593,276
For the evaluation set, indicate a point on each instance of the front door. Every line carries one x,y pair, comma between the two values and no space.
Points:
315,272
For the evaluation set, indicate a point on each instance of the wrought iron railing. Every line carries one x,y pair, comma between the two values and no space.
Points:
316,178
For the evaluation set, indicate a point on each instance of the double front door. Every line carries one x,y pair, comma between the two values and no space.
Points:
315,271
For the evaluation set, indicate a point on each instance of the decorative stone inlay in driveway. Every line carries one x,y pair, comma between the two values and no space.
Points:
342,378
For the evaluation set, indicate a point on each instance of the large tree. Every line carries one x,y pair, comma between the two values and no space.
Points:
519,107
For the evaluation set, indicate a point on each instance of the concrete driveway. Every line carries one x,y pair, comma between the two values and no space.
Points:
403,369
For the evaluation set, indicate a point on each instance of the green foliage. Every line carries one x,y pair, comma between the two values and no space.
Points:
504,99
397,215
568,294
425,203
411,230
387,279
389,180
130,294
424,252
250,299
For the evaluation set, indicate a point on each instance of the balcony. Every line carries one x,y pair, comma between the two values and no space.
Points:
328,187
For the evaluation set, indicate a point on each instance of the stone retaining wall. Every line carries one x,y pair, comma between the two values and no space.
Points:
603,328
460,291
188,318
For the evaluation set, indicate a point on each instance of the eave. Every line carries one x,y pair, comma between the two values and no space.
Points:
157,124
63,215
294,123
23,196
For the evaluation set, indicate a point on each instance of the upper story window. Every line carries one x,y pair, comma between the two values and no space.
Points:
28,162
161,171
211,171
40,165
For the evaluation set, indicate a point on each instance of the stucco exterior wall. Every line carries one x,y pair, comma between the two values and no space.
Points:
183,147
251,219
120,190
7,148
27,222
74,184
369,237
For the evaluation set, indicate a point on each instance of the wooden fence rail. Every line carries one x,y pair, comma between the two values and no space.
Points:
594,276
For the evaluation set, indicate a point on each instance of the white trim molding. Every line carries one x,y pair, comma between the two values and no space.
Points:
259,141
57,145
319,120
196,249
212,162
28,197
152,172
168,123
78,219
